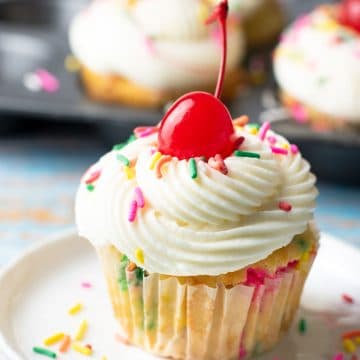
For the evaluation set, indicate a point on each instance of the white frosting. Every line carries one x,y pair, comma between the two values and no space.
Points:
210,225
159,44
315,68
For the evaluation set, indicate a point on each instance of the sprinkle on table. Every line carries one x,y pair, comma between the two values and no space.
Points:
133,211
285,206
45,352
81,331
339,356
53,339
84,350
248,154
302,326
265,127
65,345
193,168
154,160
139,255
75,309
347,298
123,159
49,82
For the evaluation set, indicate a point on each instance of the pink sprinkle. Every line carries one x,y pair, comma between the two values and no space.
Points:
285,206
294,149
339,356
263,130
347,298
86,285
139,197
93,176
49,82
149,45
277,150
271,139
133,211
144,131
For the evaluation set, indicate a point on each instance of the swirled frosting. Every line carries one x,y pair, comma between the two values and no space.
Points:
210,225
159,44
318,63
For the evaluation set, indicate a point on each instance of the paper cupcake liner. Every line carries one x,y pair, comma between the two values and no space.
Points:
199,322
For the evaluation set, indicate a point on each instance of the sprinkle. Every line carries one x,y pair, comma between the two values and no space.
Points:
142,131
241,121
218,164
351,334
71,63
81,331
84,350
119,146
139,197
294,149
238,141
339,356
279,151
86,285
248,154
64,347
32,82
193,168
154,159
131,267
271,139
349,346
302,326
263,130
160,163
75,309
285,206
133,211
104,358
44,352
253,130
139,255
53,339
49,82
129,172
347,298
90,187
93,176
123,159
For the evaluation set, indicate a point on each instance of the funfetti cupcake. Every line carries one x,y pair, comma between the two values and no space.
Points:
317,66
203,226
146,53
263,20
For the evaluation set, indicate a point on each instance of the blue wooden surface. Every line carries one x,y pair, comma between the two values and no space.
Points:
39,177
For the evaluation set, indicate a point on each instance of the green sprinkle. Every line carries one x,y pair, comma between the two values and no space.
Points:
193,168
302,326
139,274
303,244
240,153
119,146
131,139
44,352
254,125
123,159
124,262
90,187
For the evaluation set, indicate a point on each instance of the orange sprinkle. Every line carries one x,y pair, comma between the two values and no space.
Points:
64,347
241,121
350,334
160,163
131,267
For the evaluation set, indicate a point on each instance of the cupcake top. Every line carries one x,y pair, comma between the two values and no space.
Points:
318,63
197,216
161,44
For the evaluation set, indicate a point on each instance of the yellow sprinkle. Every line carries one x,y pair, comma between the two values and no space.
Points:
53,339
253,130
75,309
129,172
84,350
139,254
154,159
71,64
104,358
81,331
357,340
349,346
286,146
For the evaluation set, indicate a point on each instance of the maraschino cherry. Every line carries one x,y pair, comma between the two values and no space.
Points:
349,14
199,124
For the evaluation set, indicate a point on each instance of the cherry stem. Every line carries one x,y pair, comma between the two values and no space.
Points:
220,13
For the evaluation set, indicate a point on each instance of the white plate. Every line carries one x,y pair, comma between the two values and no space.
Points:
37,289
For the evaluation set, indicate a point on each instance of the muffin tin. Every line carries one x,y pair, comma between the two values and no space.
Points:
33,34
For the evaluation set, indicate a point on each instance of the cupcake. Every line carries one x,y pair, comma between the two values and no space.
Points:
263,20
310,64
147,53
203,227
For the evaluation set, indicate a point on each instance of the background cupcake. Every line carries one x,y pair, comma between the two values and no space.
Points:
310,64
145,53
